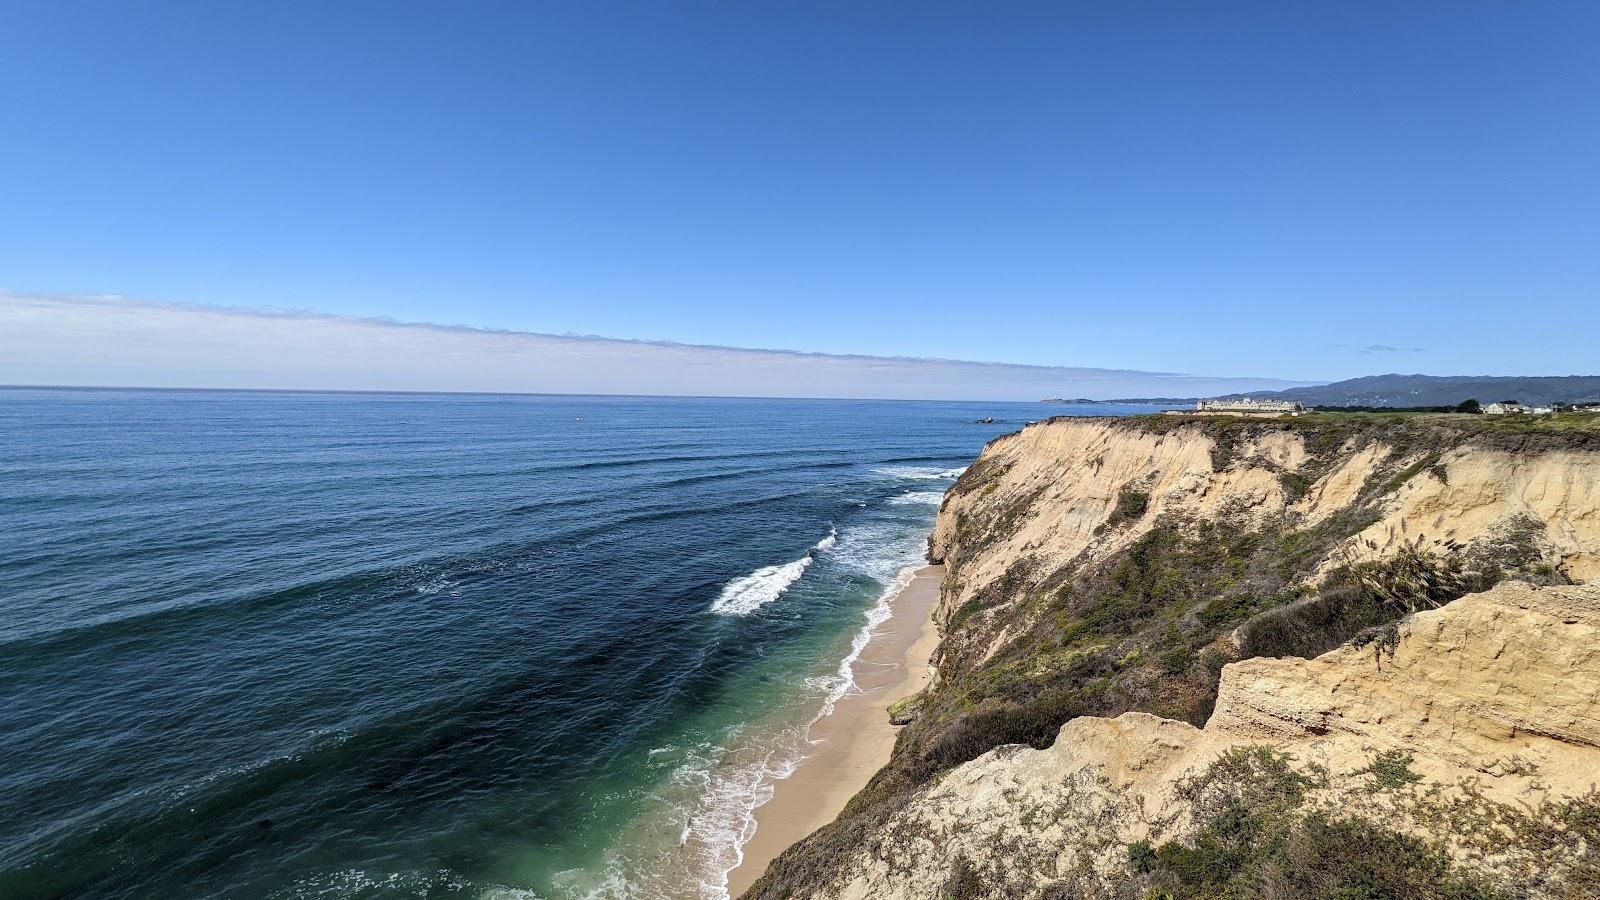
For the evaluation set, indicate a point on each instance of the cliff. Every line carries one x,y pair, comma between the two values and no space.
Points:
1219,656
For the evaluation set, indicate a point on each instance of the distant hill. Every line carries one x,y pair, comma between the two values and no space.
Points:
1425,390
1443,390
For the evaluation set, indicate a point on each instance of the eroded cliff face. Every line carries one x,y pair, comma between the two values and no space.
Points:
1132,601
1048,496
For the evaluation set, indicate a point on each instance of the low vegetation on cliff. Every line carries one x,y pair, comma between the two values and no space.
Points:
1258,832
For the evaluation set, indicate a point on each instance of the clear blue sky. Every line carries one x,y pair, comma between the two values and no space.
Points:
1265,189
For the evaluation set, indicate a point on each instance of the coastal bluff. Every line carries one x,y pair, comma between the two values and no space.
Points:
1225,657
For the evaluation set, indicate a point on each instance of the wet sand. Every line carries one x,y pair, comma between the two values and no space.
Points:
855,741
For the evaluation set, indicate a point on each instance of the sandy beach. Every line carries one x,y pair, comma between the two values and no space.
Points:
855,741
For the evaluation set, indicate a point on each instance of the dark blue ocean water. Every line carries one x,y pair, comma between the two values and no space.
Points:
323,645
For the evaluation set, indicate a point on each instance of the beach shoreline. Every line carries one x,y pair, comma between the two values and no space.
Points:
850,744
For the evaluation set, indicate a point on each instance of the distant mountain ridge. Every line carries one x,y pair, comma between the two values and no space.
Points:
1443,390
1440,390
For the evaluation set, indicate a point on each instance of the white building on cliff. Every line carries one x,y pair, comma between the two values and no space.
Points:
1513,408
1248,406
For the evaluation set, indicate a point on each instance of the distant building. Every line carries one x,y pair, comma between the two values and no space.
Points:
1249,406
1513,408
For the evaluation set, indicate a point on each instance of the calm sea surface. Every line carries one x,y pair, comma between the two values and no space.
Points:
323,645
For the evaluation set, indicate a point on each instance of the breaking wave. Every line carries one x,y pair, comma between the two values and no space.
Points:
916,498
918,473
748,593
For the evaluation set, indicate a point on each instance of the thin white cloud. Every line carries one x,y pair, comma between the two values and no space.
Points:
1387,348
109,340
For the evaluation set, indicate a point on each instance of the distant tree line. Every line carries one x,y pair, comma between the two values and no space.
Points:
1465,406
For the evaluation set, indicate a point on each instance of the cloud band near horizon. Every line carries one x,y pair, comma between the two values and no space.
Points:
114,341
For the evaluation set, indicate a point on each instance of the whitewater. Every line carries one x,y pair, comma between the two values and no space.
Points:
749,593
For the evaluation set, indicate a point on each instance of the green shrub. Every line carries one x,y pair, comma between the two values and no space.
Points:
1391,769
1358,597
1228,609
1131,504
1415,577
1339,611
1141,856
966,611
1256,840
1409,472
1355,858
1177,660
973,734
963,883
1295,485
1255,777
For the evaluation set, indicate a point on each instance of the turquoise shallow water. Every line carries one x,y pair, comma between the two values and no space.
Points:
298,645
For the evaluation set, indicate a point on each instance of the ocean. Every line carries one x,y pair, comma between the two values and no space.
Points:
289,645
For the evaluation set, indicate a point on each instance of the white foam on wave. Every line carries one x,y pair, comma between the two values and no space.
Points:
916,498
438,584
748,593
881,549
918,473
725,821
843,681
352,882
714,788
500,892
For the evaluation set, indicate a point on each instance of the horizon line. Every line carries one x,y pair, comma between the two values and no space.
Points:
403,393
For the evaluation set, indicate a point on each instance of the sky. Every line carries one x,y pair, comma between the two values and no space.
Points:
1300,191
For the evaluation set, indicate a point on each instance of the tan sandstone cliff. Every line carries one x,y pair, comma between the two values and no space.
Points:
1044,494
1115,585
